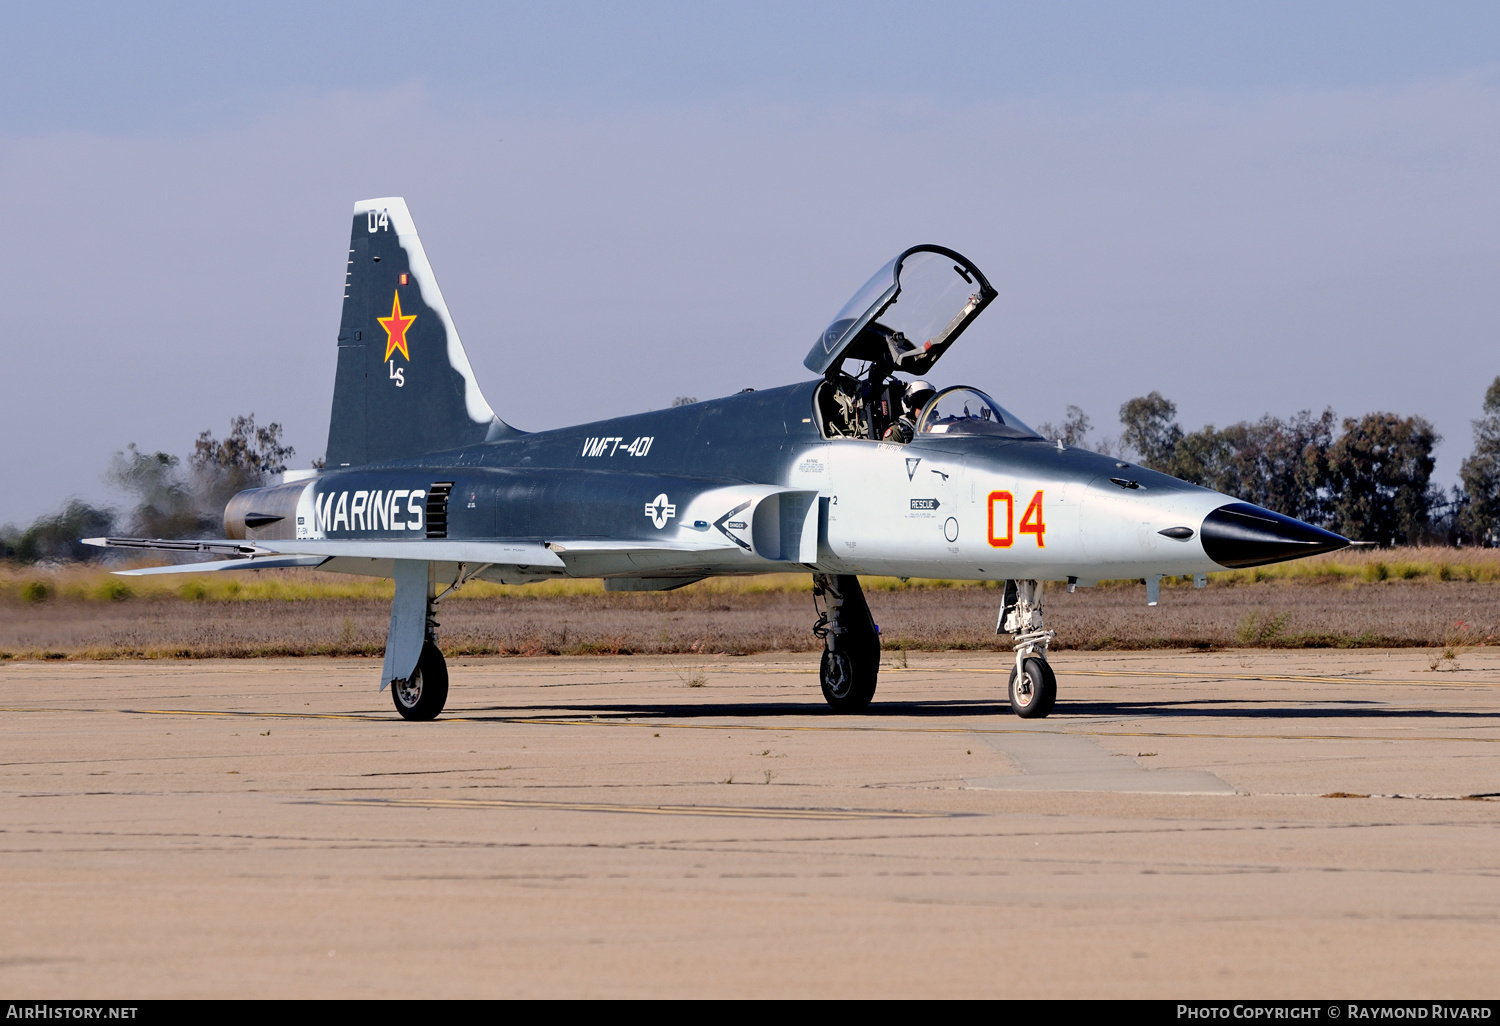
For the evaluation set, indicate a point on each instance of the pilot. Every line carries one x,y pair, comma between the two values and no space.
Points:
913,399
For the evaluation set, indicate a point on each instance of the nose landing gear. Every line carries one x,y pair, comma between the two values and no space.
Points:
851,656
1033,685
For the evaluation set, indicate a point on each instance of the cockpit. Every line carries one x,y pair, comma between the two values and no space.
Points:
967,411
902,321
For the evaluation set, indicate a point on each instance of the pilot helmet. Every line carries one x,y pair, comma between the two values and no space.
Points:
917,394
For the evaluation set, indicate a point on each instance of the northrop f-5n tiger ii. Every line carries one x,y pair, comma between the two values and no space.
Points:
865,469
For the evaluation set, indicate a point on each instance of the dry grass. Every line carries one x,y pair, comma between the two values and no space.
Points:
92,583
1444,616
1377,566
1442,599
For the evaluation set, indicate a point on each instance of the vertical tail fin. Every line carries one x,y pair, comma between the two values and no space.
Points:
404,384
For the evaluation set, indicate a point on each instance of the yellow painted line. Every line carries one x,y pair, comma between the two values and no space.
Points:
737,811
1208,675
362,718
812,671
560,722
233,713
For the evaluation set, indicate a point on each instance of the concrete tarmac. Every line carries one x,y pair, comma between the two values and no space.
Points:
1243,824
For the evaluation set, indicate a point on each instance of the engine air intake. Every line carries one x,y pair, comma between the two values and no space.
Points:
437,509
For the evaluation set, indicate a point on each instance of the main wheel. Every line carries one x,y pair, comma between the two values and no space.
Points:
424,695
1033,691
848,679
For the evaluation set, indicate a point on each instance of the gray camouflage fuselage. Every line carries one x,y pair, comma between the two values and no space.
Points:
920,509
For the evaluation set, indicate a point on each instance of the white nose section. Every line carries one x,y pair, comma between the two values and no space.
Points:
1134,530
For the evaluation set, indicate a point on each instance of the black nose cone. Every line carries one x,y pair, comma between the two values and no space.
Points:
1240,534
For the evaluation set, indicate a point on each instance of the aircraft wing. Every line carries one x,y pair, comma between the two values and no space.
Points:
731,529
262,555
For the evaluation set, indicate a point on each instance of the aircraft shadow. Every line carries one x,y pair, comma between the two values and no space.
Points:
748,710
961,709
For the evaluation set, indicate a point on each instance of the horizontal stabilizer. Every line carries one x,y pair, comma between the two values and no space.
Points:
216,546
254,563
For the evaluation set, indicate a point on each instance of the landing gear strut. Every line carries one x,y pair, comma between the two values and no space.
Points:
851,654
1033,685
414,667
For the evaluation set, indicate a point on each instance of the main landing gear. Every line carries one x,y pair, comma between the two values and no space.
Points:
851,653
414,667
423,695
1033,685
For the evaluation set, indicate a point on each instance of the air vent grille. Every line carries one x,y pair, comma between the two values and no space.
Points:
437,509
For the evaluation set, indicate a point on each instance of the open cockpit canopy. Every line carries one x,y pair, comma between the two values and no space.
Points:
907,315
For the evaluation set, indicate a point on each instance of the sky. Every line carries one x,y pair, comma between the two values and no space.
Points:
1251,207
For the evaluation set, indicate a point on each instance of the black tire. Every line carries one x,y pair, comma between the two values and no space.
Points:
424,696
848,678
1033,695
849,670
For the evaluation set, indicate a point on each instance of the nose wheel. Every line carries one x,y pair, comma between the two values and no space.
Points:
1033,685
1033,689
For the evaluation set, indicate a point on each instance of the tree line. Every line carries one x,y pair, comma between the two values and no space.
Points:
1367,477
167,496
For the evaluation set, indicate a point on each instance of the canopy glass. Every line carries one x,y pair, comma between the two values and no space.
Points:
967,411
907,315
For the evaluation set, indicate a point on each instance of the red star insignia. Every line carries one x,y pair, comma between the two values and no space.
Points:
395,330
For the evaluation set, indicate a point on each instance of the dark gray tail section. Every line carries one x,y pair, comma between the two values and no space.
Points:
404,384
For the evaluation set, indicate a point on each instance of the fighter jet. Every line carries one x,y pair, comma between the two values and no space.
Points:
864,469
